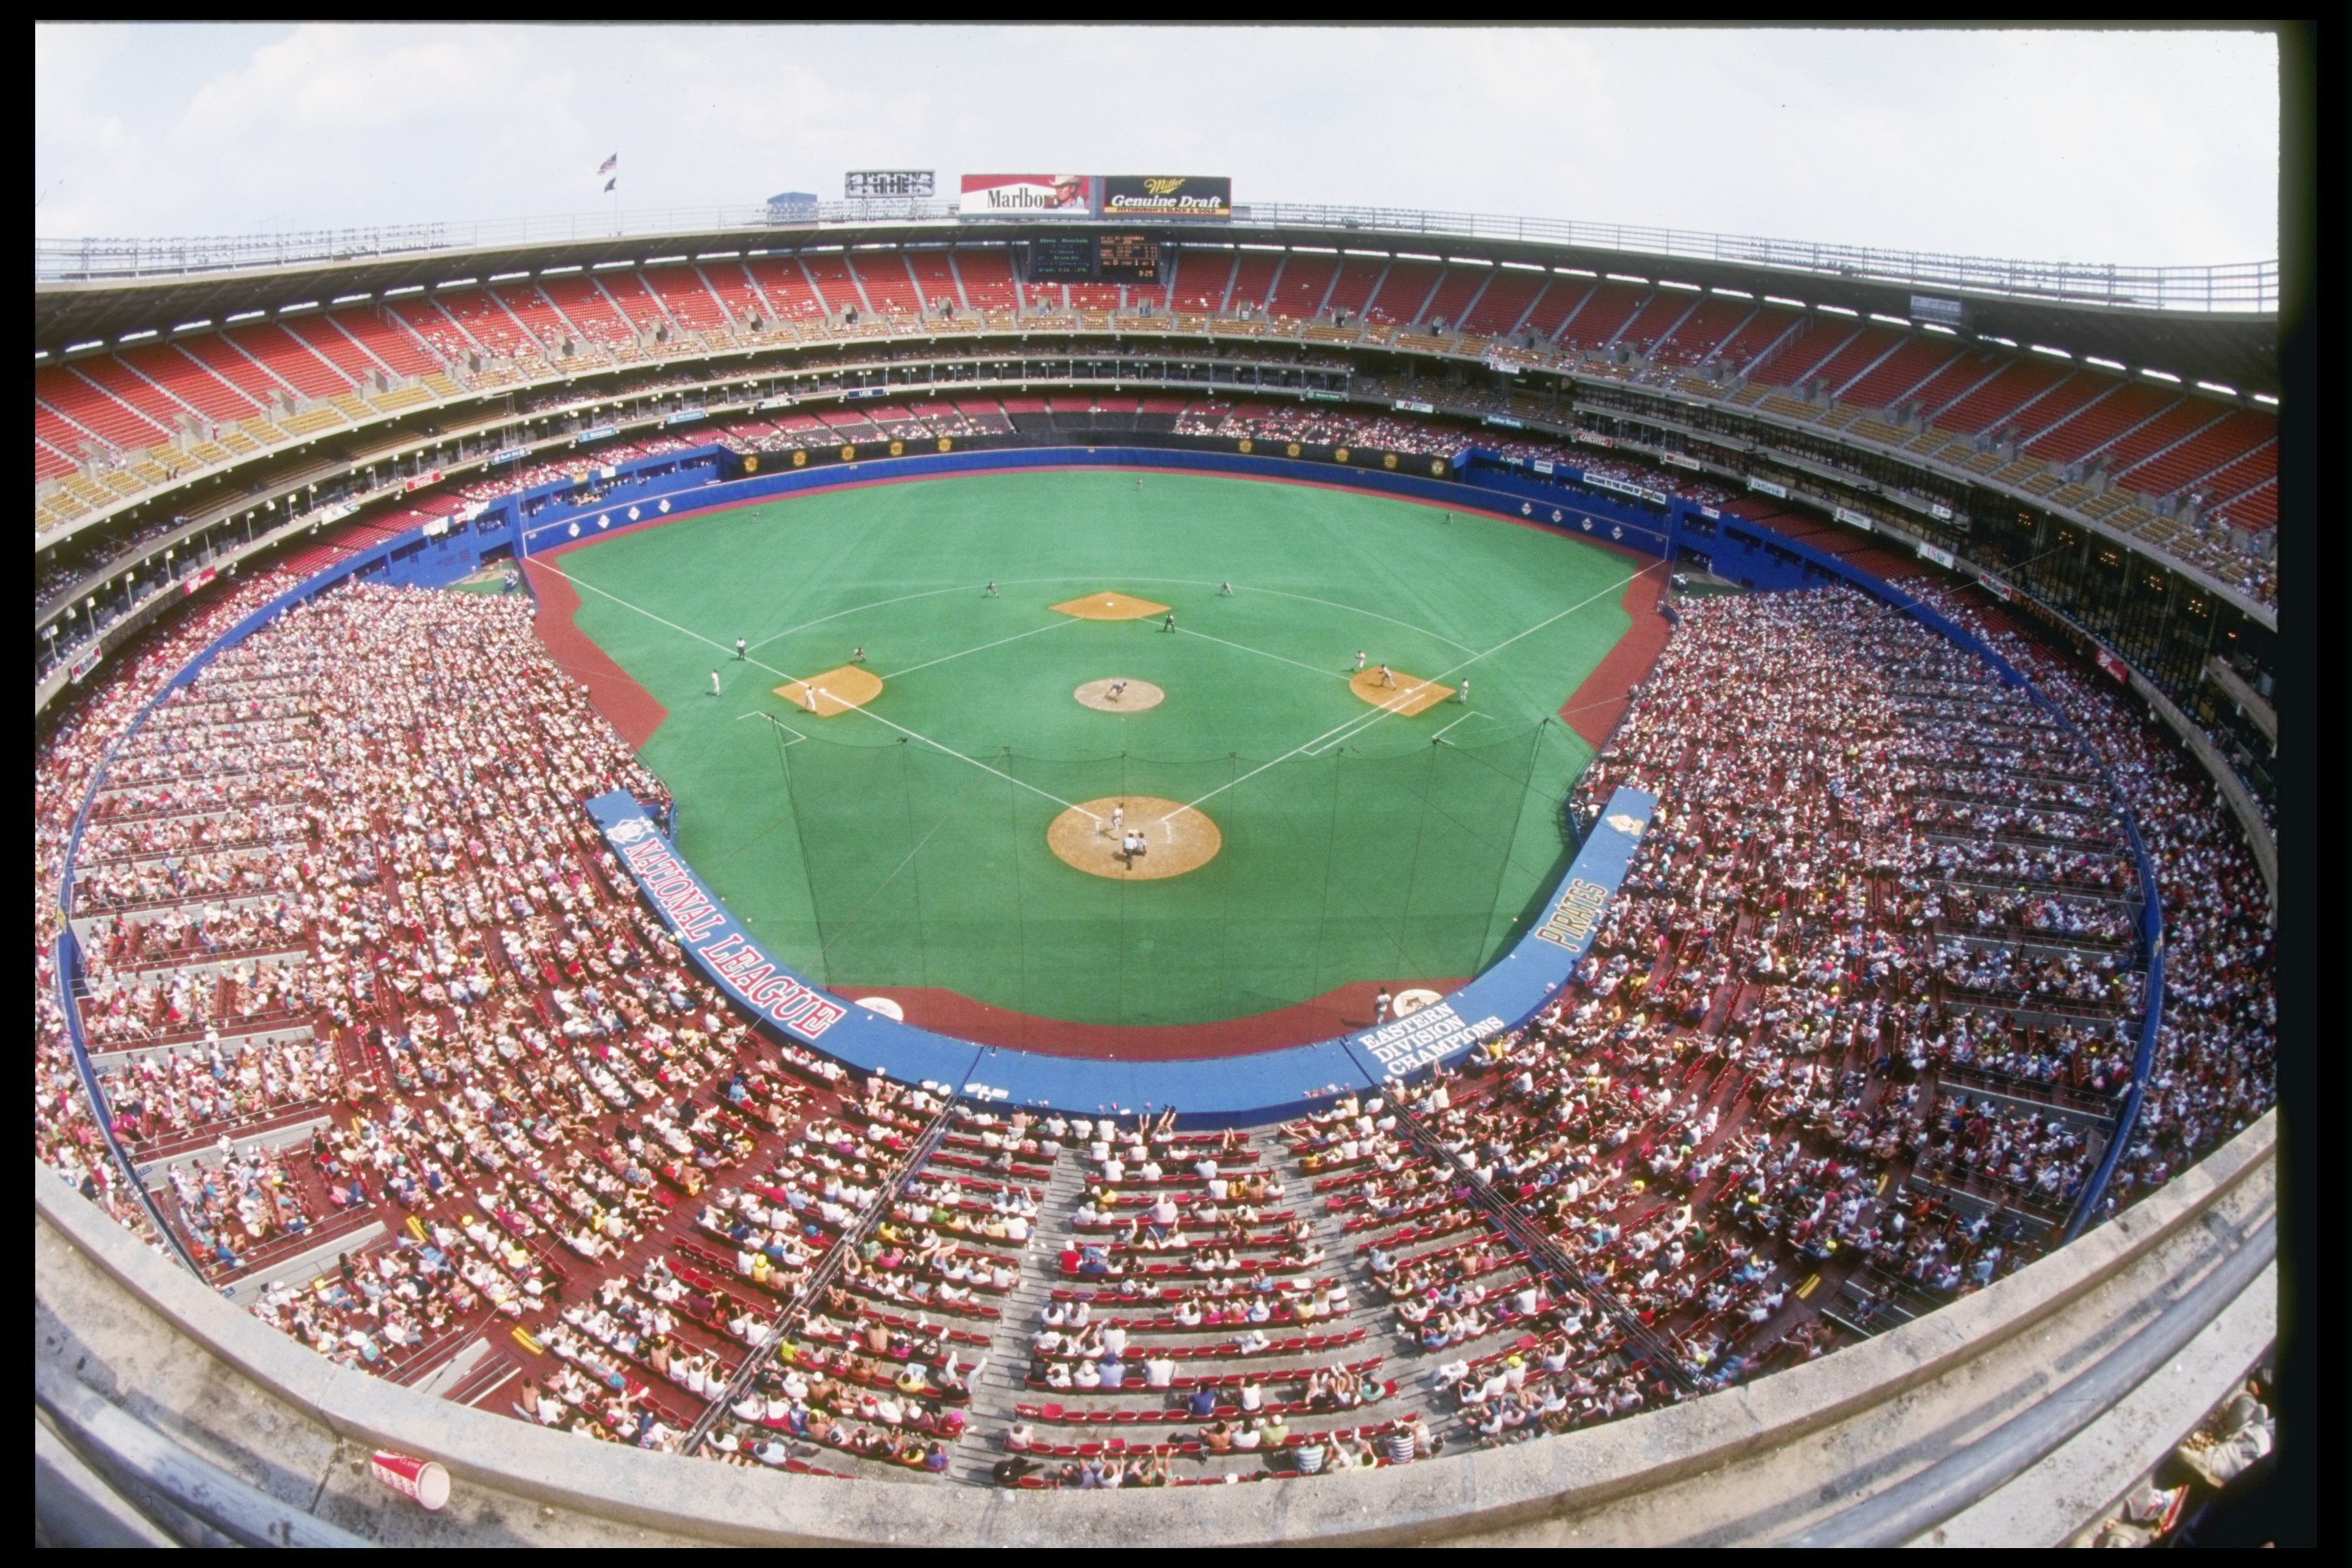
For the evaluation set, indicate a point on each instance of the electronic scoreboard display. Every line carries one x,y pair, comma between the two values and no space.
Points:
1094,257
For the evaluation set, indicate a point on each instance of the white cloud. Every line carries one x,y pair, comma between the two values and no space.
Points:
2139,147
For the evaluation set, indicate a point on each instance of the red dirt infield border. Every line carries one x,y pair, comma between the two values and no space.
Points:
1592,711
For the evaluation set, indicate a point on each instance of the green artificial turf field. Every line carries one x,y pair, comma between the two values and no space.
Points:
904,843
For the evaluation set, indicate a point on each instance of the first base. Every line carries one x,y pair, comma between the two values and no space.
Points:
835,691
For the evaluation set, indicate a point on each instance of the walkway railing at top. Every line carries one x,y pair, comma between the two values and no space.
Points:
2237,287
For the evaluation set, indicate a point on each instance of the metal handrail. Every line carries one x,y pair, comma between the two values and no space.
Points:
2234,287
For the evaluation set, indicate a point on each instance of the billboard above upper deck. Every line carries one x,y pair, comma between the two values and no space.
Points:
1027,195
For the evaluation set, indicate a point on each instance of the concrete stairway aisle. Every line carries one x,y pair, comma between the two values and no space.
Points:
1000,1383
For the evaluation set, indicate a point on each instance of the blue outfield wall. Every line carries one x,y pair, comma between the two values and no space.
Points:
1209,1092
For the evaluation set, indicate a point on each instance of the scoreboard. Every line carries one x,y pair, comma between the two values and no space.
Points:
1094,257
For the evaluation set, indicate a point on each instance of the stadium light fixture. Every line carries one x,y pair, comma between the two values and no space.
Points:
2217,388
142,332
1525,266
350,298
1627,277
1993,338
1316,249
1670,283
1891,321
1730,293
557,272
199,324
718,255
2046,349
667,261
237,316
297,305
1574,272
1939,327
609,265
40,355
2102,364
507,277
1784,299
1247,246
1467,261
2265,397
1416,255
456,283
405,288
1838,311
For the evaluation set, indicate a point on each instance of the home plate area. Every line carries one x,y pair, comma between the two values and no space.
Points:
1410,695
835,691
1176,837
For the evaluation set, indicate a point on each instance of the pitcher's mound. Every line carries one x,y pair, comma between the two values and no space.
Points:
836,690
1132,696
1409,696
1176,837
1109,607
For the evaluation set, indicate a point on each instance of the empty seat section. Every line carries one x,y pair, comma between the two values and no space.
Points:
2058,408
1798,355
728,280
48,463
2239,473
786,288
1756,336
1988,404
888,289
1298,292
1891,378
52,425
382,337
681,293
1557,305
1962,372
1403,292
1254,280
1202,275
1507,296
2169,429
2255,508
987,278
829,276
1602,315
1694,338
1656,317
594,320
2242,436
635,301
934,278
182,380
97,407
282,356
1358,276
1457,290
1855,355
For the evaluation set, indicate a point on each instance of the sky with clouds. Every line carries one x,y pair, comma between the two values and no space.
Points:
2147,147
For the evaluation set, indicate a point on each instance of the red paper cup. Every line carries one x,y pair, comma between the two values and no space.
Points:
423,1479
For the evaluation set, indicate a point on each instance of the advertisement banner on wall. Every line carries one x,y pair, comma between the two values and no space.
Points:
1930,553
1678,459
1167,195
2113,666
1854,518
1767,487
1027,196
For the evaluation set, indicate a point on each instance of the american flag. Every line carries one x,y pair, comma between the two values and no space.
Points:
609,164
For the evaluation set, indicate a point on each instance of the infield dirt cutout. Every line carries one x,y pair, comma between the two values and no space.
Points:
837,690
1176,839
1135,697
1409,696
1109,607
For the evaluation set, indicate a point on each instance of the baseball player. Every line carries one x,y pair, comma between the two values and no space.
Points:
1464,695
858,654
1380,1006
1226,591
1168,625
738,647
1386,678
990,592
1118,821
808,692
1360,661
1118,690
714,683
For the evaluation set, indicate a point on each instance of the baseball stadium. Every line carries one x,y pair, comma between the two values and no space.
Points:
902,856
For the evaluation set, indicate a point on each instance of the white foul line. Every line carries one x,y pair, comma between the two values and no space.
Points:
1263,654
1474,714
1000,642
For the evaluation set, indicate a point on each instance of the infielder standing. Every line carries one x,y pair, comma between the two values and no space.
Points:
1386,679
1360,661
714,683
